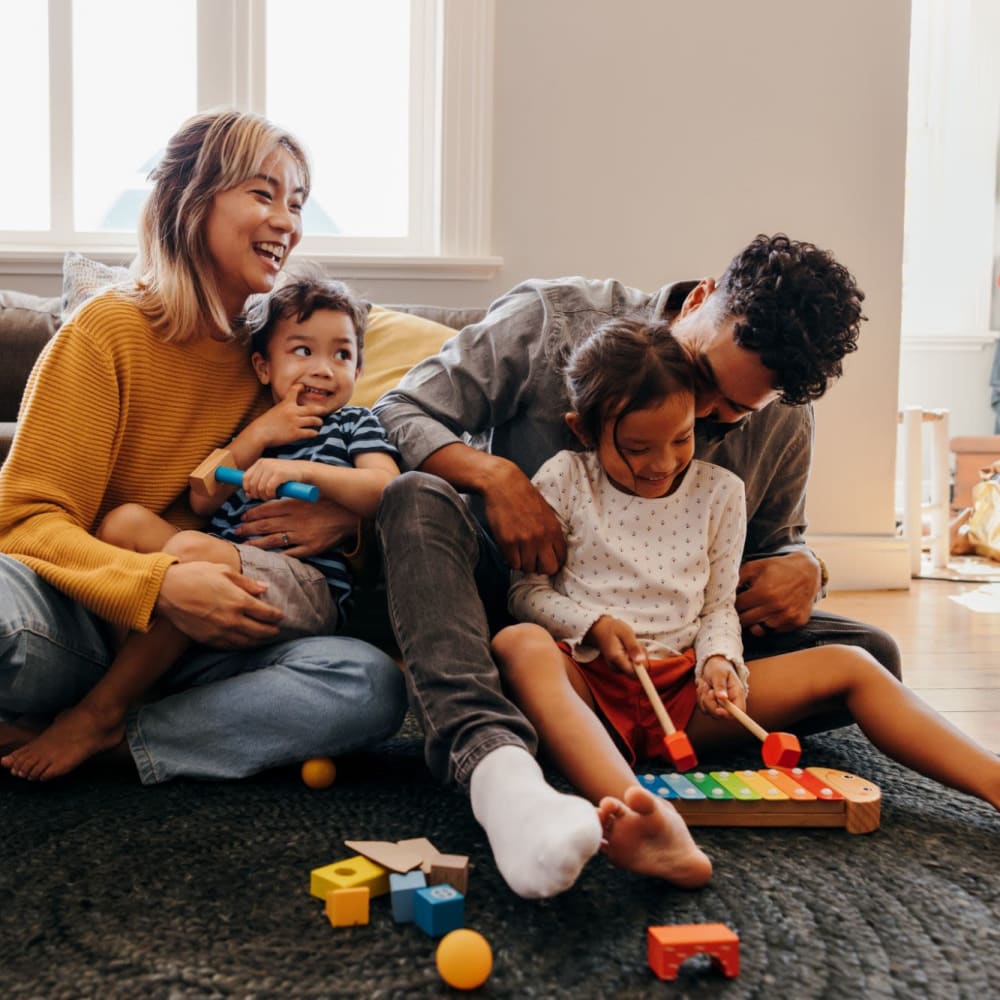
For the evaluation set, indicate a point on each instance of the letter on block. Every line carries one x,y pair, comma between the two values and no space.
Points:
346,907
349,874
404,889
438,909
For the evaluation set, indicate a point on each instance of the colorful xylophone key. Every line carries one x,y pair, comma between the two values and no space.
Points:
782,796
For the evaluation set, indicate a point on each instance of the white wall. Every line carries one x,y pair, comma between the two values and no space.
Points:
650,139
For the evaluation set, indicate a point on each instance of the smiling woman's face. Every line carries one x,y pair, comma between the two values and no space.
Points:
253,227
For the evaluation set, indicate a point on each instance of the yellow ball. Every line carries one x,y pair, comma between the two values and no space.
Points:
319,772
464,959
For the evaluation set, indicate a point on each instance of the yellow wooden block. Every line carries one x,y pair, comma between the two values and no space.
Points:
351,873
346,907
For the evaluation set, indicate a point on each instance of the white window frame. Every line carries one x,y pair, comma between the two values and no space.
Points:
451,189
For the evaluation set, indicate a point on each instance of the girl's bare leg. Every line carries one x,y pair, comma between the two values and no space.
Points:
643,833
788,689
97,723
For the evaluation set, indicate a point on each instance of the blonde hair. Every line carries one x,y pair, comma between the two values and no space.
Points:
210,153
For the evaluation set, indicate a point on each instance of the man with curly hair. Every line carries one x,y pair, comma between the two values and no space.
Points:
477,420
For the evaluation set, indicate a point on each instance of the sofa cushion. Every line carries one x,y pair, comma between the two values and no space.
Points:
27,322
84,277
394,343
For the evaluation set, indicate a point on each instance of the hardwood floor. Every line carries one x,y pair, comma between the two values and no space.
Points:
951,655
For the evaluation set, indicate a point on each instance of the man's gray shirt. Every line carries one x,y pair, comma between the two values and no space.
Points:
498,385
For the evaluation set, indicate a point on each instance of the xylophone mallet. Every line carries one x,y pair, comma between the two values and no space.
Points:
779,749
677,744
217,468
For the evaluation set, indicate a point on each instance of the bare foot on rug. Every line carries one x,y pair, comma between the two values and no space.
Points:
75,736
647,836
14,735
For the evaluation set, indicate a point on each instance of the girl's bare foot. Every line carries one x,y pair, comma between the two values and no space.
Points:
646,835
76,735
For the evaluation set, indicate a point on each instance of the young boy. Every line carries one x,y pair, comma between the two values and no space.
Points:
306,345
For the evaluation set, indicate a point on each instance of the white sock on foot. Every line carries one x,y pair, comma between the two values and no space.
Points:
541,838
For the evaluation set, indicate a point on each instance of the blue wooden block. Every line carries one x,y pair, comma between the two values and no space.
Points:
403,889
438,909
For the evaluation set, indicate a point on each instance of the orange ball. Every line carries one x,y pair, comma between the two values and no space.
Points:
464,959
319,772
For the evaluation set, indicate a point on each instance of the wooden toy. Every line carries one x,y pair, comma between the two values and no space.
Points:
668,946
677,744
450,869
438,909
396,857
781,796
319,772
346,907
779,749
403,887
464,959
218,469
350,873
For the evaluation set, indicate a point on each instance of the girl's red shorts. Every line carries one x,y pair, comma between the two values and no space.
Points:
626,709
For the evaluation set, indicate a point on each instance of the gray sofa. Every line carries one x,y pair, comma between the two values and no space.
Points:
27,322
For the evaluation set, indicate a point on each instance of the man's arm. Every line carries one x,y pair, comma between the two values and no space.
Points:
479,381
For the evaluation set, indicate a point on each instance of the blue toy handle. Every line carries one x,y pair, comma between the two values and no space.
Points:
295,491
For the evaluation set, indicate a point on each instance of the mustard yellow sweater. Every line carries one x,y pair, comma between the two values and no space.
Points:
113,414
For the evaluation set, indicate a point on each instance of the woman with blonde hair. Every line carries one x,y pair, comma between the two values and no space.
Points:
125,401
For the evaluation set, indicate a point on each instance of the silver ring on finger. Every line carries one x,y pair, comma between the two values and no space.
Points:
284,539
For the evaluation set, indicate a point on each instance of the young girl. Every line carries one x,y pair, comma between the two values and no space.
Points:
654,542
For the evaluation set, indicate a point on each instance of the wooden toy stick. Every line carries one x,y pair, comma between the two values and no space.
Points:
677,744
779,749
217,468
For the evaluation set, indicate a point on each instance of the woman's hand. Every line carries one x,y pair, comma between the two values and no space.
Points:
297,527
719,682
217,607
617,643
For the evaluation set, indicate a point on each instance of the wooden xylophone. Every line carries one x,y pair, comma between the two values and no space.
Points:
776,796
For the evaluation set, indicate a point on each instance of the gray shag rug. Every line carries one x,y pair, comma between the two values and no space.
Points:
192,889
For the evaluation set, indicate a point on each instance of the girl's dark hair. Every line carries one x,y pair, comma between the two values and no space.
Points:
626,365
298,300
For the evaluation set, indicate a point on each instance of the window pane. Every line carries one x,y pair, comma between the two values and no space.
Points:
338,77
24,110
134,82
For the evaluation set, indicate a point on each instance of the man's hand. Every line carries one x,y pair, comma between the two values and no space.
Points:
719,682
523,525
297,527
777,594
617,643
214,606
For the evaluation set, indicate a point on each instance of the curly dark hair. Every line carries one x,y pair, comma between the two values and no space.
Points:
298,299
798,308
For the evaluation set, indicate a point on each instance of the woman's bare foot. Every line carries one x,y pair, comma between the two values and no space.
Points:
647,835
14,735
76,735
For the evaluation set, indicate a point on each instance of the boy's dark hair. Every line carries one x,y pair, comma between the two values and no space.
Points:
627,364
298,299
798,308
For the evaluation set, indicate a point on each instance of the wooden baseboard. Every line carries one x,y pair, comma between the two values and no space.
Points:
864,562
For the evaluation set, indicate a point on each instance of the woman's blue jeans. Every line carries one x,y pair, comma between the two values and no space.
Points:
218,714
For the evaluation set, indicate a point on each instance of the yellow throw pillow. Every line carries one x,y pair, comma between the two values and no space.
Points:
394,343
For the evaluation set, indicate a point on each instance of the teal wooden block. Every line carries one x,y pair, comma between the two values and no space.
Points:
438,909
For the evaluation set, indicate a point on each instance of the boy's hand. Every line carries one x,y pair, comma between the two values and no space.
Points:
617,643
262,479
719,682
289,420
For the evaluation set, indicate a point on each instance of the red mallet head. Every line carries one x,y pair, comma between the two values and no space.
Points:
781,750
680,750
